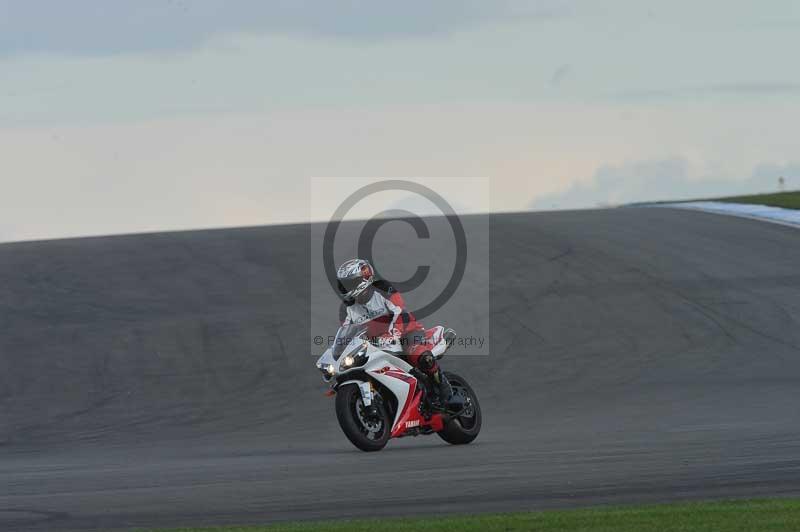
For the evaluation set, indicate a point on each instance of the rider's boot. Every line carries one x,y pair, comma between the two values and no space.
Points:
445,390
439,389
442,391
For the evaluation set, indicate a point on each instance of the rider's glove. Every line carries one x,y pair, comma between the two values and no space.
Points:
386,341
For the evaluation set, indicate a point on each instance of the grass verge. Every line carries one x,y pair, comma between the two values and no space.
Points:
787,200
772,515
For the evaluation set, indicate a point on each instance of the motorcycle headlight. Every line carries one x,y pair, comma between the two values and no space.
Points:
328,370
354,361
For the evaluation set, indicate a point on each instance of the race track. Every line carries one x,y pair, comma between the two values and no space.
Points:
638,354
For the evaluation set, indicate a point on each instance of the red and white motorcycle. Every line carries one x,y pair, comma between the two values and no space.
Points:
380,396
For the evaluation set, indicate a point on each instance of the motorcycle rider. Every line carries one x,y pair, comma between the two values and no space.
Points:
377,303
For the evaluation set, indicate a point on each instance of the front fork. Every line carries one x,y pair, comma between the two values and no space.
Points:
365,388
366,393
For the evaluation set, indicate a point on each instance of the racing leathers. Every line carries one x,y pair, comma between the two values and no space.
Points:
389,322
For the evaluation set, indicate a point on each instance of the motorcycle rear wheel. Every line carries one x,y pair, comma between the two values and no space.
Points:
368,433
464,428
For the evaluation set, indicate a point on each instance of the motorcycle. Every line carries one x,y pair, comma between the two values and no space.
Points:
379,396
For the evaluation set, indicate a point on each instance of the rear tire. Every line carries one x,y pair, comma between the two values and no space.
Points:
368,434
464,428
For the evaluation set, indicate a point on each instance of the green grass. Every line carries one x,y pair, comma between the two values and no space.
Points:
771,515
787,200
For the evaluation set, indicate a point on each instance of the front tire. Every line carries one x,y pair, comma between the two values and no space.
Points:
368,433
464,428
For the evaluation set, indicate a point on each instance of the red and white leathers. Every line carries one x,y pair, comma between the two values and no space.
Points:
387,318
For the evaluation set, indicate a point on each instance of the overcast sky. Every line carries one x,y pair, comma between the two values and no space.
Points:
121,116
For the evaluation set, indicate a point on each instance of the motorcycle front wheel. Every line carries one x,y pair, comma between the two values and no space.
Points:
369,431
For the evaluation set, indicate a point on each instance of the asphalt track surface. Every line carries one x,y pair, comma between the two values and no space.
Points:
638,354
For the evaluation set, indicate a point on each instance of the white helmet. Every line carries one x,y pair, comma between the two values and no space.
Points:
355,277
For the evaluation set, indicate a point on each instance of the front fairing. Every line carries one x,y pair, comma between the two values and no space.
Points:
350,341
391,373
328,358
366,356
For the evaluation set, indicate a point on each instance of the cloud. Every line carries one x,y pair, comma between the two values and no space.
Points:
664,179
114,26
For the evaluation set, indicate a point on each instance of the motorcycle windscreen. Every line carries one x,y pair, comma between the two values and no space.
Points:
346,337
